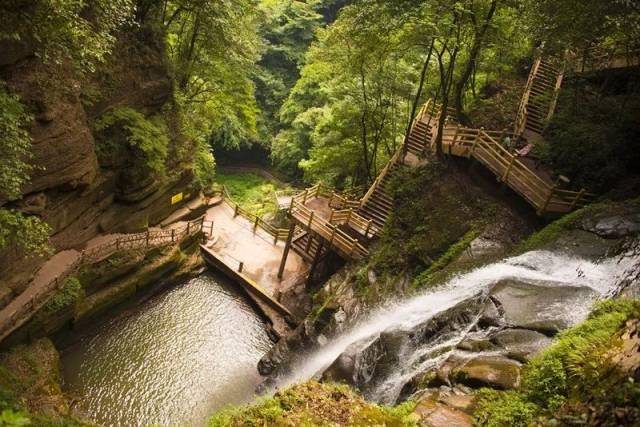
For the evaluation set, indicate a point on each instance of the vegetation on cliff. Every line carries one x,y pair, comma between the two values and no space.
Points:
315,404
582,377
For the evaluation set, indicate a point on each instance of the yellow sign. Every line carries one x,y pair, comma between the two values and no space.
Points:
176,199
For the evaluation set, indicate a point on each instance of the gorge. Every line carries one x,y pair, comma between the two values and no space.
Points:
331,212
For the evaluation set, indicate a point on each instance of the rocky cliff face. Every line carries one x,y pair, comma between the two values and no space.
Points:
69,189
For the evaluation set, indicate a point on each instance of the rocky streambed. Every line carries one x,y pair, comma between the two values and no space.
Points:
477,330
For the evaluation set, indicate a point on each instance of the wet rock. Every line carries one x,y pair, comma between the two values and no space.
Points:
489,371
356,364
438,408
547,309
491,315
476,345
521,344
614,227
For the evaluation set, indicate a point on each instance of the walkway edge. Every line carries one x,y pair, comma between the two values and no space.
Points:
249,285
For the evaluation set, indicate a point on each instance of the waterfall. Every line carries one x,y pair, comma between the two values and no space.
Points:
543,268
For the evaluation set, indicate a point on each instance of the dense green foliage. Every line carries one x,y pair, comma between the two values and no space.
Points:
429,242
314,404
71,291
594,134
28,233
15,146
143,140
58,30
577,368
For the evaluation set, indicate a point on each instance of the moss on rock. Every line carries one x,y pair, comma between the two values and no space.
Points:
315,404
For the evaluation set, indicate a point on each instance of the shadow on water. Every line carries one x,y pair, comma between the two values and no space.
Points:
175,358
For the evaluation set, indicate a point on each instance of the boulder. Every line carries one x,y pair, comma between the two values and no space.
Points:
489,371
437,408
545,308
615,226
521,344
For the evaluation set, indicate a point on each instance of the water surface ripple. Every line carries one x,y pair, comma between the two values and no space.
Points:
174,359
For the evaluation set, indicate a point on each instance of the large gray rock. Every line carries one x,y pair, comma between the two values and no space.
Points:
521,344
546,308
614,227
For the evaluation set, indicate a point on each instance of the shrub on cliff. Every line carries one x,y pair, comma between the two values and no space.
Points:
127,135
29,233
312,404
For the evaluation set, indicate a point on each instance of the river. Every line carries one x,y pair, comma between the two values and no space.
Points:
174,359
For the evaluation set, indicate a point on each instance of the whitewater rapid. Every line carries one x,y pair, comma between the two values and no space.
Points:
539,267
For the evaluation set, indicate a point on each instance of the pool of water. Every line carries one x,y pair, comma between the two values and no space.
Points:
172,360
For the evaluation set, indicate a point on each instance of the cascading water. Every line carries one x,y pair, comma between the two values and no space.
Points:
542,268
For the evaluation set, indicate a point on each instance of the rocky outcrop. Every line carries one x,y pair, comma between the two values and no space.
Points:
68,188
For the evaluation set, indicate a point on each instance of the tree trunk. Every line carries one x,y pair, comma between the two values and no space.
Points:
416,100
471,63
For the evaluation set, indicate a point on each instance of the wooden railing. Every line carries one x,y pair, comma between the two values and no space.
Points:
12,318
278,234
354,220
330,233
483,146
521,116
383,173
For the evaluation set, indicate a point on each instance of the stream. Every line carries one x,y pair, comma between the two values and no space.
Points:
398,341
172,360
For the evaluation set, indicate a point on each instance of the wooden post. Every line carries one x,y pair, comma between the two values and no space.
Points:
304,199
453,141
331,216
309,241
240,267
475,142
287,246
353,246
547,201
147,238
349,216
333,234
255,224
310,220
506,173
188,228
117,244
235,211
577,199
291,204
173,234
366,233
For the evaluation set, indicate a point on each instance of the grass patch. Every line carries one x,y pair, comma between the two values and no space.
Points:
577,369
426,277
315,404
252,192
553,231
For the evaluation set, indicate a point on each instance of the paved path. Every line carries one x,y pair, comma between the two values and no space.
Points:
234,241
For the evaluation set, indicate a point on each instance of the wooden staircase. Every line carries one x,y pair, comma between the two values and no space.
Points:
307,245
539,100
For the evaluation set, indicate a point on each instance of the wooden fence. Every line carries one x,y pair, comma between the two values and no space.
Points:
331,233
16,317
483,146
277,233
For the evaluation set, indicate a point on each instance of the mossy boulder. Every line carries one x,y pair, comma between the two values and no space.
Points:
491,371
